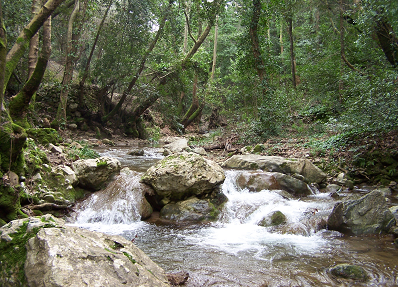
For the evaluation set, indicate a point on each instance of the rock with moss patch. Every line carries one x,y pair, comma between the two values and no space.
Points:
43,251
94,173
349,272
192,209
366,215
274,219
180,176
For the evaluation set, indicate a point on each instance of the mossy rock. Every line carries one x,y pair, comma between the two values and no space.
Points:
13,247
348,271
34,158
278,218
44,136
9,202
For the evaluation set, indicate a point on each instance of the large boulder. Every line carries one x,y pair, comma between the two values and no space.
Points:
183,175
94,173
257,181
43,251
366,215
192,209
303,167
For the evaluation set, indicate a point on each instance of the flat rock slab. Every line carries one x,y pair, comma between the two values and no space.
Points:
304,167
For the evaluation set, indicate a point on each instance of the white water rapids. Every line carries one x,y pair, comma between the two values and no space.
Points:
235,250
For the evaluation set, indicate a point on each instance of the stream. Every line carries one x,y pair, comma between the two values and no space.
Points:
235,250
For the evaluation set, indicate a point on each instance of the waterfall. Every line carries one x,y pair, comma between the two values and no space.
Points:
119,203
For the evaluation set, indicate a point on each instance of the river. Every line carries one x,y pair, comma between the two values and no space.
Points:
235,250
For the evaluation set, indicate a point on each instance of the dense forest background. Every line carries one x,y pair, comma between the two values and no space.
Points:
323,70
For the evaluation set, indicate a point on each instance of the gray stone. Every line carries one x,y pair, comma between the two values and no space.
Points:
136,152
366,215
257,181
178,145
67,173
394,211
200,150
277,164
54,149
60,255
94,173
180,176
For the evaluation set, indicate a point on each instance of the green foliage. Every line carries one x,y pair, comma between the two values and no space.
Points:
85,152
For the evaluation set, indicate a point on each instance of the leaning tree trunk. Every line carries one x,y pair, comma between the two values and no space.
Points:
388,41
19,104
34,42
194,105
21,44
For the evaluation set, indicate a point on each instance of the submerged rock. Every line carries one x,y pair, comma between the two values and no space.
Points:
93,173
367,215
349,272
183,175
303,167
43,251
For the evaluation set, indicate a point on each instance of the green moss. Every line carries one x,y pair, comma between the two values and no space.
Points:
101,163
258,149
130,257
44,135
13,254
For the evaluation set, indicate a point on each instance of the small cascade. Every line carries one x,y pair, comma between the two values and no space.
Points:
256,208
119,203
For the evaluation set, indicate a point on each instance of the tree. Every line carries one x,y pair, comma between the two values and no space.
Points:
73,36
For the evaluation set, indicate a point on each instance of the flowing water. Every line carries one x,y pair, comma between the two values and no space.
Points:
235,250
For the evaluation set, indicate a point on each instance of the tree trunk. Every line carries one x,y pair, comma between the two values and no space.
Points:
140,68
3,55
342,53
21,44
388,41
292,57
34,42
68,70
195,102
193,116
19,104
213,67
86,69
259,62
